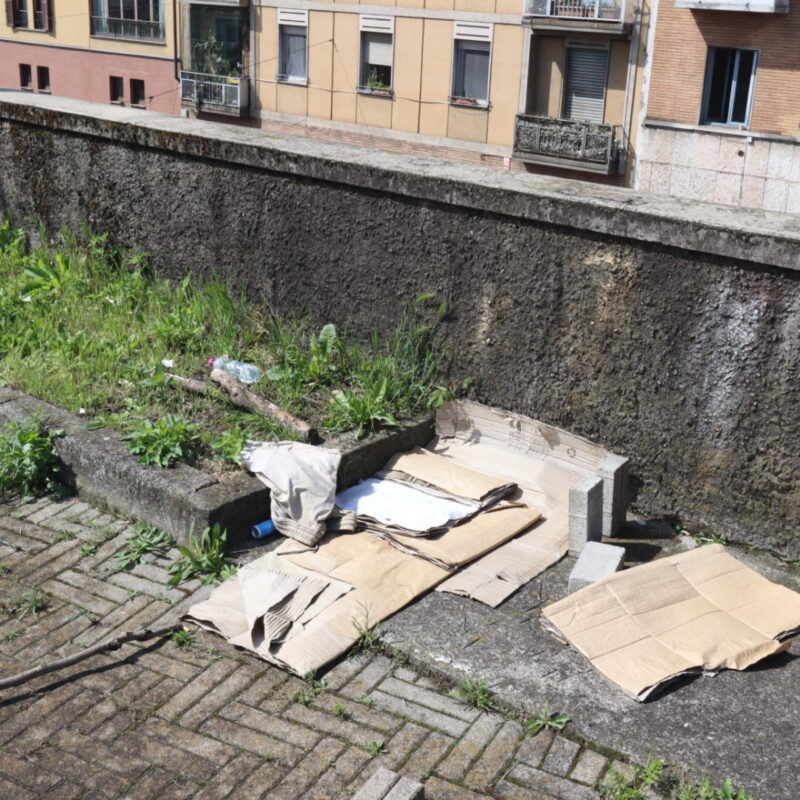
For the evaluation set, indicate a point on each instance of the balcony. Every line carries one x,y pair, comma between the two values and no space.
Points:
137,30
566,143
599,15
215,94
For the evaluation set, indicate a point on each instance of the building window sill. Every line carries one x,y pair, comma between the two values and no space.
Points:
30,30
720,130
117,102
470,102
293,81
374,91
158,42
44,91
137,105
26,89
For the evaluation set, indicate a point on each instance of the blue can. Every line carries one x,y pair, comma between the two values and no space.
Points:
263,529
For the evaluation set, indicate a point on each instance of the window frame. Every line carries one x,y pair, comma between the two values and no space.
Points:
101,29
26,70
31,15
42,71
291,18
475,33
582,45
143,103
370,24
120,98
710,58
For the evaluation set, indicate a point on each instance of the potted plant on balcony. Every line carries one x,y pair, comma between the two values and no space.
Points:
376,86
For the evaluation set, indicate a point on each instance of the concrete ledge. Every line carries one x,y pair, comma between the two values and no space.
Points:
98,466
762,237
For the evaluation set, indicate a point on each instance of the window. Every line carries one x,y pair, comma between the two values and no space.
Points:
128,19
31,14
25,77
471,64
728,92
377,54
43,79
292,45
137,92
585,86
116,90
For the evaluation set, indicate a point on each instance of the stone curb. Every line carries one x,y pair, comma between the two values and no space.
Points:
181,499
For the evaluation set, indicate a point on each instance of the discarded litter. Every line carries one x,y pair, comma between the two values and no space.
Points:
700,611
246,373
263,529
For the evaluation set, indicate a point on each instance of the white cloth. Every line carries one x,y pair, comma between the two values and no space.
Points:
302,483
393,503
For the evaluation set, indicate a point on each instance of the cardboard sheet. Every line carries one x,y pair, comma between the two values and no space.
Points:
698,611
512,448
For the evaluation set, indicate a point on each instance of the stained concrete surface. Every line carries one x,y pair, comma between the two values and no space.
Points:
742,724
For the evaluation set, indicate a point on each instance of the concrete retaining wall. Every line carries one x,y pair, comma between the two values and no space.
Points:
667,331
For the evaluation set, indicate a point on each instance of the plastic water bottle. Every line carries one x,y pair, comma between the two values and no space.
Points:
246,373
263,529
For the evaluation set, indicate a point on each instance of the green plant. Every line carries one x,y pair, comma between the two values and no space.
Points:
204,556
10,636
474,693
365,700
45,278
545,719
376,748
4,568
340,711
65,536
28,462
702,538
143,539
369,633
330,761
363,408
31,601
183,637
228,446
163,442
86,550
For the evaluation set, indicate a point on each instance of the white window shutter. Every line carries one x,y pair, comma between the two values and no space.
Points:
378,49
585,91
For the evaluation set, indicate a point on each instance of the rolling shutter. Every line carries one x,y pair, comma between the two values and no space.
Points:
45,20
10,13
378,49
584,95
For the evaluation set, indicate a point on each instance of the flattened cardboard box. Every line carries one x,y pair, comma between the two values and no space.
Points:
700,611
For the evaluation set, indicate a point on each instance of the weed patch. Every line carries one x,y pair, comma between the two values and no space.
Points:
474,693
545,719
144,539
204,557
28,462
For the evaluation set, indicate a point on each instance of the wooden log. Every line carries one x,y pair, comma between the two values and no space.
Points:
192,385
110,644
243,398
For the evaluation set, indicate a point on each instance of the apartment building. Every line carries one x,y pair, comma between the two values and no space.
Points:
111,51
723,111
547,85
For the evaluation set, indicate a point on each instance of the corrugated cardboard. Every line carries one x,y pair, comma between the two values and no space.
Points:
698,611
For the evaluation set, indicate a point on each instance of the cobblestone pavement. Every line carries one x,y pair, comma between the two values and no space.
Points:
205,721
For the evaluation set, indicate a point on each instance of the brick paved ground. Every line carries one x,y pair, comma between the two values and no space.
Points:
162,721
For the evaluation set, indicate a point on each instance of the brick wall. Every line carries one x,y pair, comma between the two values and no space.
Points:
682,39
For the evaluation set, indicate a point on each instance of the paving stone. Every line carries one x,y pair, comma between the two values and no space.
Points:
425,758
560,756
589,768
196,743
532,749
67,790
260,782
22,536
82,772
338,774
163,663
421,714
159,752
78,597
134,583
197,689
341,728
24,772
8,789
61,717
357,712
246,738
101,754
437,789
377,785
33,565
552,784
228,777
495,757
48,510
626,770
273,726
406,741
119,616
217,696
47,705
87,583
307,771
368,678
283,696
513,791
344,671
426,697
262,686
469,747
30,506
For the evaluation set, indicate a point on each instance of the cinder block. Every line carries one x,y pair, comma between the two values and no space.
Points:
614,472
597,560
585,513
406,789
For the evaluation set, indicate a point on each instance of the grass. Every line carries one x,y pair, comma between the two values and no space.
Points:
369,633
545,719
142,540
183,638
474,693
653,776
87,326
203,557
4,568
10,636
376,748
31,601
28,463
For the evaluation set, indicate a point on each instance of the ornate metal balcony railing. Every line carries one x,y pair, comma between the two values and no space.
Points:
218,94
140,30
574,140
600,10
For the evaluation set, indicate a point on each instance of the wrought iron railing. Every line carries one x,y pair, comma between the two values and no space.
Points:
601,10
564,138
141,30
215,93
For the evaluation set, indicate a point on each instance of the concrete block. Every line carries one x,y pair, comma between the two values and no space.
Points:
406,789
614,472
585,513
597,560
379,786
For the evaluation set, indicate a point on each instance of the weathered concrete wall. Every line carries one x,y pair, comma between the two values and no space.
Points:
667,331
